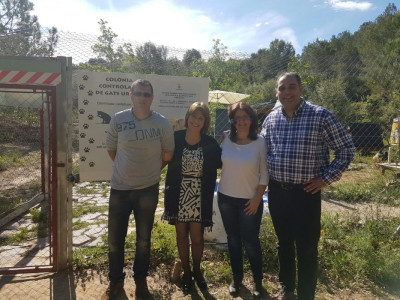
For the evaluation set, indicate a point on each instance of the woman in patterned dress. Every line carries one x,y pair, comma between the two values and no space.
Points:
189,189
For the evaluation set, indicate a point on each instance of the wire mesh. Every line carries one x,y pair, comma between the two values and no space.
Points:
24,230
370,122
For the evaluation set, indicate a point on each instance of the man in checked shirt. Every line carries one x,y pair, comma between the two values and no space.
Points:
299,137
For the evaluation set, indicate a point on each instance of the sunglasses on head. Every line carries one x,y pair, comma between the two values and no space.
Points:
139,94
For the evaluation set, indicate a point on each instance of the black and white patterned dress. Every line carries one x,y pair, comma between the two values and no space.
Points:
190,191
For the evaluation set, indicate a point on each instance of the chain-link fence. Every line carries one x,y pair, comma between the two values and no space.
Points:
342,84
24,200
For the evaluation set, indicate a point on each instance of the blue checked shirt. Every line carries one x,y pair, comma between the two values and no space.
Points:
298,147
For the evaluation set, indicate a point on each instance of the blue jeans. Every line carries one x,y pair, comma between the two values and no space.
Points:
241,229
143,203
296,216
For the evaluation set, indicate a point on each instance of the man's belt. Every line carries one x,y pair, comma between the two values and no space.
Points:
287,186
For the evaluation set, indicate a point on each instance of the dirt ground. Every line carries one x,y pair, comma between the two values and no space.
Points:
90,284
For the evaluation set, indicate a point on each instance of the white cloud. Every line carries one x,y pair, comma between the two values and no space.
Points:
349,5
269,27
287,34
163,23
158,21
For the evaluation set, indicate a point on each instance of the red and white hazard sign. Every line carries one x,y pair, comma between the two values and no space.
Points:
22,77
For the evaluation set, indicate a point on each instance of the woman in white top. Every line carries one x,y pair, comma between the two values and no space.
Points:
244,179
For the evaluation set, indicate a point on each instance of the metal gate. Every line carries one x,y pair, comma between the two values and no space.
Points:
28,181
34,192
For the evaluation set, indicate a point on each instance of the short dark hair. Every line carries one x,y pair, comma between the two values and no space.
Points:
141,82
202,108
253,117
289,74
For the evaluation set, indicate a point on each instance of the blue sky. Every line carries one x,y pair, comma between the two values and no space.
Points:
242,25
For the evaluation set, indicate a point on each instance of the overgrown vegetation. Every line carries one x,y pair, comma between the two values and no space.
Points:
353,253
360,253
356,251
364,182
8,161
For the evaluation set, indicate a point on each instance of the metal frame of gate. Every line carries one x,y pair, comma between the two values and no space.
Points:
57,110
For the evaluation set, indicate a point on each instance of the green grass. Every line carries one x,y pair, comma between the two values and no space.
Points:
39,215
8,203
80,225
22,235
86,190
81,210
354,253
9,160
17,159
359,253
377,192
365,183
93,257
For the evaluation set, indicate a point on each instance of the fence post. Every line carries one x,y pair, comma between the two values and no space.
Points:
64,165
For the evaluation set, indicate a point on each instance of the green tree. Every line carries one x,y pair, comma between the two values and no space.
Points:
268,63
190,56
116,57
308,79
20,32
152,58
175,67
224,73
280,54
331,94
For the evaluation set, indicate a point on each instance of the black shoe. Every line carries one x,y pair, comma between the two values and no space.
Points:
235,285
142,291
200,281
113,290
257,289
186,283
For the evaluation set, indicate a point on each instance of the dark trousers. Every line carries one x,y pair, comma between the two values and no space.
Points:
143,204
296,216
241,229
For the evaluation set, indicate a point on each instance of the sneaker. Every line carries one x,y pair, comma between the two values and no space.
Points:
113,290
235,285
257,289
142,291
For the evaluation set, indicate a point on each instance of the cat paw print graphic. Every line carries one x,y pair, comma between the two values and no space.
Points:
91,141
90,93
86,149
91,164
90,117
82,135
85,126
85,77
81,87
85,102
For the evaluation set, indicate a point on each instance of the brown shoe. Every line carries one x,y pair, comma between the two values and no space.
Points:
142,291
113,290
